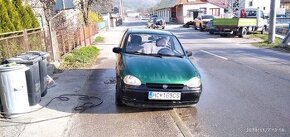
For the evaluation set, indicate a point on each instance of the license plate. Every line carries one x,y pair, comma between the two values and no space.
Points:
164,95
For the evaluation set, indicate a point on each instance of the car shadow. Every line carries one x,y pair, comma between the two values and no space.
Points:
99,88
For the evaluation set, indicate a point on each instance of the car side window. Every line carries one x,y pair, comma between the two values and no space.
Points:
134,43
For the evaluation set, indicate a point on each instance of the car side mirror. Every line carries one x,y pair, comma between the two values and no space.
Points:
188,53
117,50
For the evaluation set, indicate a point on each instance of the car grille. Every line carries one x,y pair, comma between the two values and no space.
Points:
160,86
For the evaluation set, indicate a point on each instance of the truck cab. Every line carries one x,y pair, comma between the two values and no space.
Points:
262,22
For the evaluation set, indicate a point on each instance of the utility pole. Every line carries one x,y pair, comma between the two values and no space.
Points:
121,8
272,27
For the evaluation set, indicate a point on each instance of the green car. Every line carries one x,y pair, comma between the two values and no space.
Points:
153,70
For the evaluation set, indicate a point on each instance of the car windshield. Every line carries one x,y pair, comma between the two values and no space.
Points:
251,13
153,44
157,19
207,17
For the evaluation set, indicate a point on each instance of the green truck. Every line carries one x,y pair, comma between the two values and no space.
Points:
255,21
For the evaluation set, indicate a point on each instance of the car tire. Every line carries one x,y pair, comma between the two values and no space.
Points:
242,32
263,30
201,29
223,35
118,100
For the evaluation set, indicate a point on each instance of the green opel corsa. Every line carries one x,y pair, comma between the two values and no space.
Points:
153,70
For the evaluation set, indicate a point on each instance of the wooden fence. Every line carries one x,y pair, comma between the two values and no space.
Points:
15,43
68,40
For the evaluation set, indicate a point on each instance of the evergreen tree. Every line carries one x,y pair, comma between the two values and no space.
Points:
34,21
5,23
13,15
25,18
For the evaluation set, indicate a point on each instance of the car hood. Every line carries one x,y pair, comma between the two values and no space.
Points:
165,70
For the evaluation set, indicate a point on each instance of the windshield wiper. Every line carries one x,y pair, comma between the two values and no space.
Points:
168,55
134,52
141,53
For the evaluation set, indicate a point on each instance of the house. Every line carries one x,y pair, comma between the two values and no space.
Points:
262,4
182,11
132,14
286,5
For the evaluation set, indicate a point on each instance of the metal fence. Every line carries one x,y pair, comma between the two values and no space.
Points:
14,43
283,20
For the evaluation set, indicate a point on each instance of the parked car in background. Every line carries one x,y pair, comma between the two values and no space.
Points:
153,70
211,28
201,21
156,23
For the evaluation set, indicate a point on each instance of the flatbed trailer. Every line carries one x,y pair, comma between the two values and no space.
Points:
254,21
237,26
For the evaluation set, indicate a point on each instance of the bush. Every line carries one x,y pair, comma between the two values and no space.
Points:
25,18
99,39
13,15
94,17
34,21
80,57
5,22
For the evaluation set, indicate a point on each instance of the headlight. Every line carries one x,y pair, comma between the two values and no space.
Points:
194,82
131,80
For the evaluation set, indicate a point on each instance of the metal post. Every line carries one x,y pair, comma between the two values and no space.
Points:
90,34
25,40
53,49
272,27
84,34
286,40
121,8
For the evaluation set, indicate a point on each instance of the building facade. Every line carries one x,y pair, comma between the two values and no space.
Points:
182,11
262,4
286,5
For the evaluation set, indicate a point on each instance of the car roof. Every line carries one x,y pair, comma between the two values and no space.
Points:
148,31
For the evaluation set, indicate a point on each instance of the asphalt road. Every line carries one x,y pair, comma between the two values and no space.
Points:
246,93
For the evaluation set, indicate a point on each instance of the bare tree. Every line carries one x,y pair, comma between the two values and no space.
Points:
47,6
86,5
103,6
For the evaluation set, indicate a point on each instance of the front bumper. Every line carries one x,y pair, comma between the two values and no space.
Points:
138,97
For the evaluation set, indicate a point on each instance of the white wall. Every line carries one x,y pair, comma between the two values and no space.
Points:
164,13
133,14
260,4
208,6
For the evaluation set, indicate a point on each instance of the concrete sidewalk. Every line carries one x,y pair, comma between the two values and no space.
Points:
53,120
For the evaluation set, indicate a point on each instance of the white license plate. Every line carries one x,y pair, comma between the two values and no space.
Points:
164,95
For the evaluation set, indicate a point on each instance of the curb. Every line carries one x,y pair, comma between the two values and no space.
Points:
180,124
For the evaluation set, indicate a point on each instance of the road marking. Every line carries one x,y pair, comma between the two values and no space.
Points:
180,124
214,54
